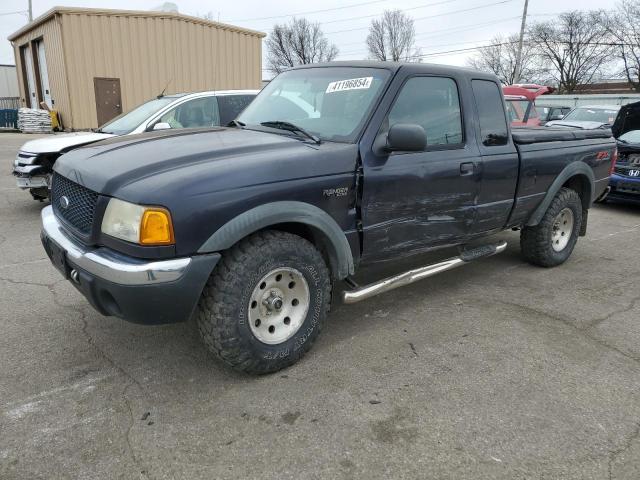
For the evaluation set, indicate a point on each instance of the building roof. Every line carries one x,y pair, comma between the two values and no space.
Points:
128,13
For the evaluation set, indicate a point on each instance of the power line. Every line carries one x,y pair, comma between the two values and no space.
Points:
434,33
13,13
462,50
309,12
379,14
432,16
425,47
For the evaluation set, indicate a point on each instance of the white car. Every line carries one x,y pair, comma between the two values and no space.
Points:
33,165
588,117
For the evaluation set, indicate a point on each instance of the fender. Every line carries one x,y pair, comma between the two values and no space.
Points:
285,212
574,169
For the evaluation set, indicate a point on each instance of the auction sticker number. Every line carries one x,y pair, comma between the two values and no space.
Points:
351,84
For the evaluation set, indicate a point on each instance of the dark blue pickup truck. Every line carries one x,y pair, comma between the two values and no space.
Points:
333,167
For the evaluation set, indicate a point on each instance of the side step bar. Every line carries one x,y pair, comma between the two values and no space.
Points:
402,279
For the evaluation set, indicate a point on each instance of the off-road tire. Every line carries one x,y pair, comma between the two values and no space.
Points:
536,242
223,317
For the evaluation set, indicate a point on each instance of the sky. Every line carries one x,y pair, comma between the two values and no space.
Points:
447,31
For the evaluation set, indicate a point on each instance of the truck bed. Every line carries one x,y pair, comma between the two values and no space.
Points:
529,135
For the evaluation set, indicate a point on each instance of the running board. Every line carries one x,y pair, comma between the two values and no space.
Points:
391,283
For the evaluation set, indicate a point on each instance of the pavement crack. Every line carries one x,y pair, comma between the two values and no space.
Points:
614,454
131,379
33,284
566,322
634,302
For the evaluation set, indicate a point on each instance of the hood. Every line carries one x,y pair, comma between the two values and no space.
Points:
151,167
575,124
58,143
628,119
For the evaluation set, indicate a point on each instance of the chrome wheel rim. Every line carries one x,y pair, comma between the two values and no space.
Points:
562,229
278,305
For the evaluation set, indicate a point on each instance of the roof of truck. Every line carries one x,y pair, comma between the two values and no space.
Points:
395,66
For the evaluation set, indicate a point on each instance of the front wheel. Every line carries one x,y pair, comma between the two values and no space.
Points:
265,303
551,242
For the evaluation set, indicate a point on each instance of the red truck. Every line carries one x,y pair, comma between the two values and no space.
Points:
520,100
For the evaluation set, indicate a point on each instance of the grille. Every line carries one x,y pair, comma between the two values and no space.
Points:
81,203
624,171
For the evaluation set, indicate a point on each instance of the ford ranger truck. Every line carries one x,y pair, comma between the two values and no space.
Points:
332,168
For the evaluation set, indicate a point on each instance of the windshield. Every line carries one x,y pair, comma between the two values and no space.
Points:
631,137
600,115
127,122
331,103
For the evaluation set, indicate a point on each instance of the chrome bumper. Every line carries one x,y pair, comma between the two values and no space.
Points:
108,264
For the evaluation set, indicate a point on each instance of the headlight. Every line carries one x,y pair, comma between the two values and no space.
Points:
138,224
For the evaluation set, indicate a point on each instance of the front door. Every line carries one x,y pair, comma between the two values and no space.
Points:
108,101
416,201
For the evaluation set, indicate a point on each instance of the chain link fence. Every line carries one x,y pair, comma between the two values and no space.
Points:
9,112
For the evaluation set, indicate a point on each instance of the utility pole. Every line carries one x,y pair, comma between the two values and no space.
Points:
523,26
30,12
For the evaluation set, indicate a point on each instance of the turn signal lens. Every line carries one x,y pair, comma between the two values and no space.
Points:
156,227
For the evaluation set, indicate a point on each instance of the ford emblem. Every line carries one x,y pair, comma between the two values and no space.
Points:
64,202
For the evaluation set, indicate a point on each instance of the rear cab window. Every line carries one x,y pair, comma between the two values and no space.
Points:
491,116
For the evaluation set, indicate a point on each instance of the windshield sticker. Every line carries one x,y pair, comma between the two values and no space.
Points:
351,84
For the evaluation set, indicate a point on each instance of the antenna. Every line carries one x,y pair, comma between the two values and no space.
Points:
164,89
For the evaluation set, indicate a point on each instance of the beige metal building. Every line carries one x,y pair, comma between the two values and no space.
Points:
92,64
8,81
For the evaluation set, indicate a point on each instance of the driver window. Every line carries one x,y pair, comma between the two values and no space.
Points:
196,113
432,103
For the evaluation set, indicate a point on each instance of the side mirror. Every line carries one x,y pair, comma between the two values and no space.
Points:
406,137
161,126
557,116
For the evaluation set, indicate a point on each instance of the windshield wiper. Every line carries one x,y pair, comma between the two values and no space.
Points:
236,123
290,127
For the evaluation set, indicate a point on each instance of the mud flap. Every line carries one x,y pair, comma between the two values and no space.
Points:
583,227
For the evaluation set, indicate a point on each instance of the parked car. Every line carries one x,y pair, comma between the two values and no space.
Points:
624,122
34,162
549,113
588,117
251,228
520,100
625,181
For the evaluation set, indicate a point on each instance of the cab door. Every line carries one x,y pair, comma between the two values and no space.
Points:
414,202
500,160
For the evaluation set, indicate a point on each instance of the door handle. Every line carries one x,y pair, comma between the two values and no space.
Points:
467,168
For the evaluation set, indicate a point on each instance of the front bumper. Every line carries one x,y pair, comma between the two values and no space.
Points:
32,176
140,291
624,187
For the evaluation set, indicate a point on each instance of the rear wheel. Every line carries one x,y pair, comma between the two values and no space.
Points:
551,242
265,303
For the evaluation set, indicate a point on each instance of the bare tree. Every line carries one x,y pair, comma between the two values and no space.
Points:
392,37
624,26
500,56
576,46
297,43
